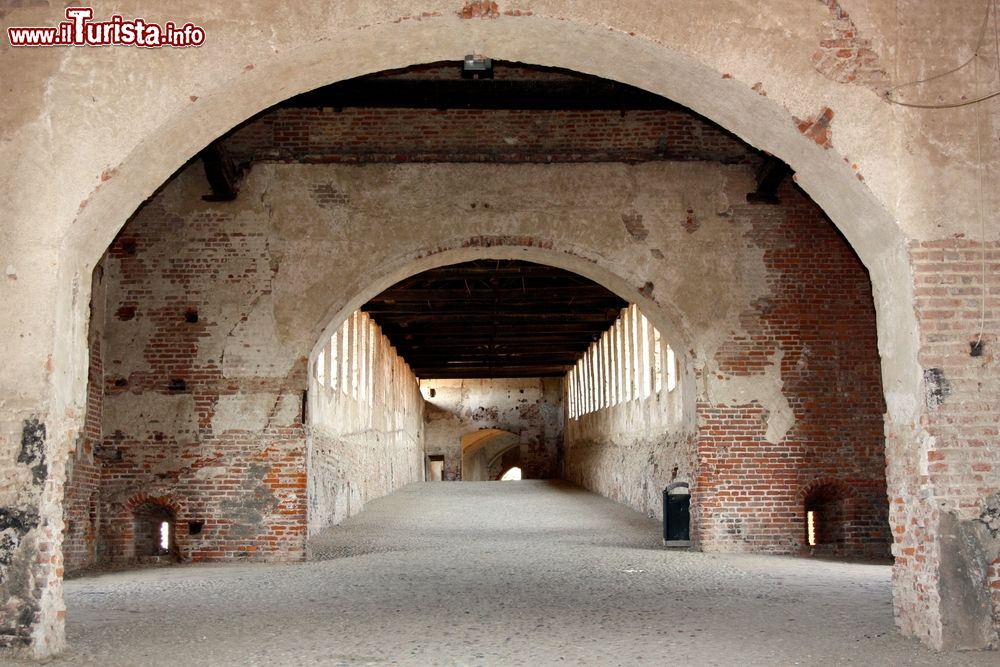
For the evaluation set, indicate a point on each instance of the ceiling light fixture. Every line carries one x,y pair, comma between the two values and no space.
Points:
476,66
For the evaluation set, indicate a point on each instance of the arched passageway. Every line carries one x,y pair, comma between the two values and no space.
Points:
177,109
488,456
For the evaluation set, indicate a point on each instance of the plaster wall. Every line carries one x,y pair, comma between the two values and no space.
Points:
363,446
532,409
631,451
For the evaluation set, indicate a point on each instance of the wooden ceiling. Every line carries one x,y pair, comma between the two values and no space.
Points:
494,318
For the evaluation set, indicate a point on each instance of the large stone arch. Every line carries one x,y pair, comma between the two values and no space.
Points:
437,247
752,77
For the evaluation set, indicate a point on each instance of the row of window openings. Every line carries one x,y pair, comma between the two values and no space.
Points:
631,360
351,350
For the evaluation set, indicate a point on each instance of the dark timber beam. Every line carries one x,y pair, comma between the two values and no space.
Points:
769,177
546,94
539,313
494,318
222,172
489,372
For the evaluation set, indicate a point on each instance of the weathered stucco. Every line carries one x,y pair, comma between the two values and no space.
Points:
362,445
630,452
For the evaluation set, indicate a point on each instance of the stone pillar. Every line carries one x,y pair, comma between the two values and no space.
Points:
944,474
42,380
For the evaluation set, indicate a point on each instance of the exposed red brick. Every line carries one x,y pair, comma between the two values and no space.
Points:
845,56
479,9
361,135
750,494
817,128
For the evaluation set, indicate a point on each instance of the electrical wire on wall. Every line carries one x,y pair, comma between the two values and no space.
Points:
891,96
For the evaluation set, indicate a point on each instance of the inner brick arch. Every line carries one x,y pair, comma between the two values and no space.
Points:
680,75
585,262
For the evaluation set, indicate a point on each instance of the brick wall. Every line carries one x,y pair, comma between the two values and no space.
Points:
959,467
844,55
478,135
81,506
190,420
962,465
817,328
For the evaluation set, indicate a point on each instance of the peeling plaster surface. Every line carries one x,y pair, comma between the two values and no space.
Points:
765,389
252,412
631,451
142,416
531,409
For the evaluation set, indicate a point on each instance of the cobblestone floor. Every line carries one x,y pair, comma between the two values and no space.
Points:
518,573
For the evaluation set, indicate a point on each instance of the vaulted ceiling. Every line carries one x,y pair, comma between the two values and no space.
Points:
494,318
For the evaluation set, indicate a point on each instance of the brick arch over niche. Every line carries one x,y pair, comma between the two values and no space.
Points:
88,200
831,511
131,533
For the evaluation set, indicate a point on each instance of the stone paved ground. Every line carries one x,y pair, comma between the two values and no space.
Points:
519,573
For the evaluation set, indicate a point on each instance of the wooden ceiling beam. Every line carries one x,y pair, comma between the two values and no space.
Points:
489,319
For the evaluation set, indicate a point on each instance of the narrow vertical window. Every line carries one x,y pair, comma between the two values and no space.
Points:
645,364
334,362
671,369
371,361
362,356
571,383
627,354
354,355
606,360
619,336
657,361
636,369
345,357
